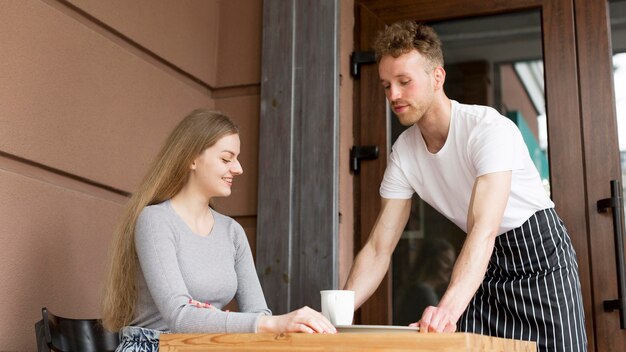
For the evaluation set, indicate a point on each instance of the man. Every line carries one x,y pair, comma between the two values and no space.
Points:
516,275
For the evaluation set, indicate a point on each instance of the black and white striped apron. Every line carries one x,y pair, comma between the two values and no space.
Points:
531,290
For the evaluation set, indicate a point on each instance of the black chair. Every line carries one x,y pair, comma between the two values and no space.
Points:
75,335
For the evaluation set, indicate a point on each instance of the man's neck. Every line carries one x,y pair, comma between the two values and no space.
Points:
435,125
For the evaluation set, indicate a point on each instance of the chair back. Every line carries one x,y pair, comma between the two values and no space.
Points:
77,335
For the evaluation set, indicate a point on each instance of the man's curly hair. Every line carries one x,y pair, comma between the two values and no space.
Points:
401,37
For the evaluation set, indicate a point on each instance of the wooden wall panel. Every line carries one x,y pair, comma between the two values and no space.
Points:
298,212
78,101
54,241
315,152
244,110
239,51
183,33
91,90
275,208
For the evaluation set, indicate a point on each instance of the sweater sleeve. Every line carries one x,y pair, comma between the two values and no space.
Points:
155,242
249,293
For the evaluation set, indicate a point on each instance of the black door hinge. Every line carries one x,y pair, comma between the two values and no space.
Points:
361,152
359,58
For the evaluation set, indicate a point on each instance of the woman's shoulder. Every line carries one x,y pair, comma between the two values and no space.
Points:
157,218
157,211
225,220
228,225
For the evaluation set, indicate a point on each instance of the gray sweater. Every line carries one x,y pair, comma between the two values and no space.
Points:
177,265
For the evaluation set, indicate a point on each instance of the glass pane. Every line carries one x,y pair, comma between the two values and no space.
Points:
494,61
618,36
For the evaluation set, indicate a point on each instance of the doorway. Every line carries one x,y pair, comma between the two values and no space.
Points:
519,42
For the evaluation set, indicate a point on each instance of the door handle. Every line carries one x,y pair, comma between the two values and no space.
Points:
616,203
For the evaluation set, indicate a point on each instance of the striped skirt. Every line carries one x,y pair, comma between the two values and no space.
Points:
531,290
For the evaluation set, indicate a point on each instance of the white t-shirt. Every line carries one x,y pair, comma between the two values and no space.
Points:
480,141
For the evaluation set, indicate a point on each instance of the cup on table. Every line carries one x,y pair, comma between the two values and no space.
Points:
338,306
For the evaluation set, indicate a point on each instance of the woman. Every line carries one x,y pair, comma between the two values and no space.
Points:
176,262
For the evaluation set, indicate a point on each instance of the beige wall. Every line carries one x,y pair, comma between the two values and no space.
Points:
346,141
89,91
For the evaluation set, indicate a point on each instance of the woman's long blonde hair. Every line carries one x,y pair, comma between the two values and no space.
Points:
166,177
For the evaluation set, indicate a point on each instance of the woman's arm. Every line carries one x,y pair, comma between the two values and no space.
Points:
249,294
156,246
250,298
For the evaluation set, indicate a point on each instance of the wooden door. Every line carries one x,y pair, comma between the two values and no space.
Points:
575,48
602,164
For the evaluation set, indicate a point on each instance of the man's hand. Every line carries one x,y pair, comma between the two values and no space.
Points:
436,319
489,199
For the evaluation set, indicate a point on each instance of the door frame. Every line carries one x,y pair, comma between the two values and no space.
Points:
573,92
602,162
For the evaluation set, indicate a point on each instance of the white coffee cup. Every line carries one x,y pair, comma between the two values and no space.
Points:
338,306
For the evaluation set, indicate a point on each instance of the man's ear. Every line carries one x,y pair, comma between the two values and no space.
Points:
440,77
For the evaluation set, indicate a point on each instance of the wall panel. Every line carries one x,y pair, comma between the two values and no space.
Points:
90,90
239,54
81,103
244,110
54,242
346,141
184,33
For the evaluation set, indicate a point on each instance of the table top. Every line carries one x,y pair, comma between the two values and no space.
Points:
342,342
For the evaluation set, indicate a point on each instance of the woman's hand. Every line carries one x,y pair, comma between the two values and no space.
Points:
304,320
199,304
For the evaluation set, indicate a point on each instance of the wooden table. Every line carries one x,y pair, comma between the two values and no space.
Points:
342,342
